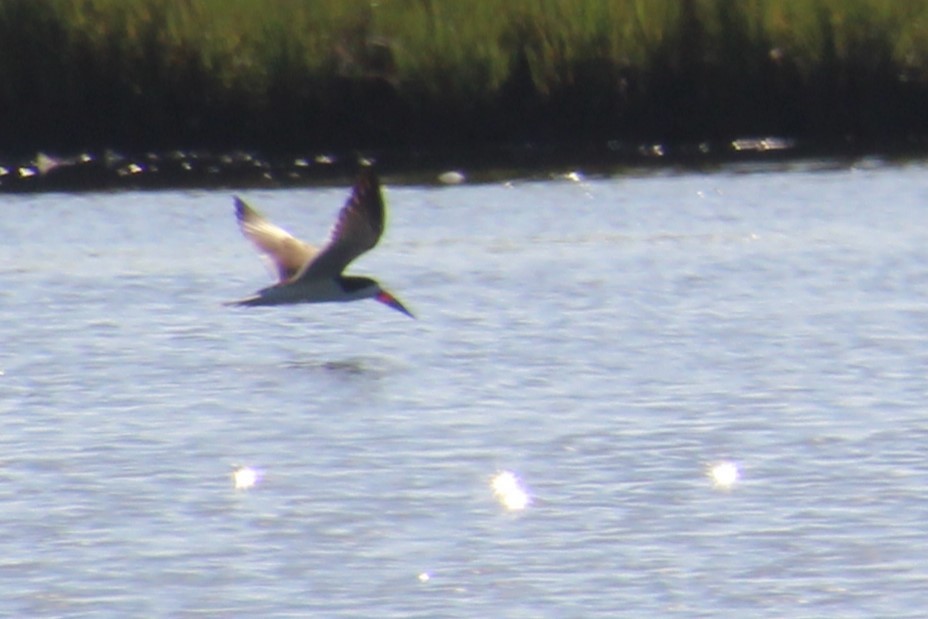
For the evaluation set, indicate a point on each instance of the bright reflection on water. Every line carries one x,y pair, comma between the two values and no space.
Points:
245,477
509,491
724,475
687,395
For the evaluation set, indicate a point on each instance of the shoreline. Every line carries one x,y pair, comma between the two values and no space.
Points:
239,169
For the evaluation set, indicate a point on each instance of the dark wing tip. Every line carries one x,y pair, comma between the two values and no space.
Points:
368,197
243,212
241,209
366,173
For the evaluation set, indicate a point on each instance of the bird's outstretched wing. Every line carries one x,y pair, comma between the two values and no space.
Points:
357,229
286,253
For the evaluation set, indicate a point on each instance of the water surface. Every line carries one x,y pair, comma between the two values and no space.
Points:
606,340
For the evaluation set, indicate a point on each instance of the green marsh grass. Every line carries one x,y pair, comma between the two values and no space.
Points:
303,74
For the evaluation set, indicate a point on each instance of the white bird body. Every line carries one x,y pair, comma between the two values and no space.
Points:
310,275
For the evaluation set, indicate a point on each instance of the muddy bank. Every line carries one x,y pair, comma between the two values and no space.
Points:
201,169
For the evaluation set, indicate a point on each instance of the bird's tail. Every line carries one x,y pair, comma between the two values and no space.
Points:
246,302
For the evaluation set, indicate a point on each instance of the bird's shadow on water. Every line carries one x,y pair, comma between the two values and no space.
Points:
353,368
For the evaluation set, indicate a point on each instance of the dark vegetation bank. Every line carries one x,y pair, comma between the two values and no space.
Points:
432,80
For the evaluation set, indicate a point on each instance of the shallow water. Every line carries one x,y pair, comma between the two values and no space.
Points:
608,341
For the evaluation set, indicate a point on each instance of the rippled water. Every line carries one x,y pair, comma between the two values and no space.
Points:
708,388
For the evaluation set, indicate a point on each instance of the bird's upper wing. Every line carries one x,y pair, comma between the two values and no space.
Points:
357,229
287,254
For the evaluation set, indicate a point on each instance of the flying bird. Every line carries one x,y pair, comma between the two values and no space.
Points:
310,275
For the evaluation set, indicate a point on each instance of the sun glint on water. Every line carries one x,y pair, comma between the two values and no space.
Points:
245,477
509,491
724,475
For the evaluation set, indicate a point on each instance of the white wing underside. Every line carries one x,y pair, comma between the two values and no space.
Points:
356,230
283,253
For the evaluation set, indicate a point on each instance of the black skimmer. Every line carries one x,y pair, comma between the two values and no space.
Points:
310,275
